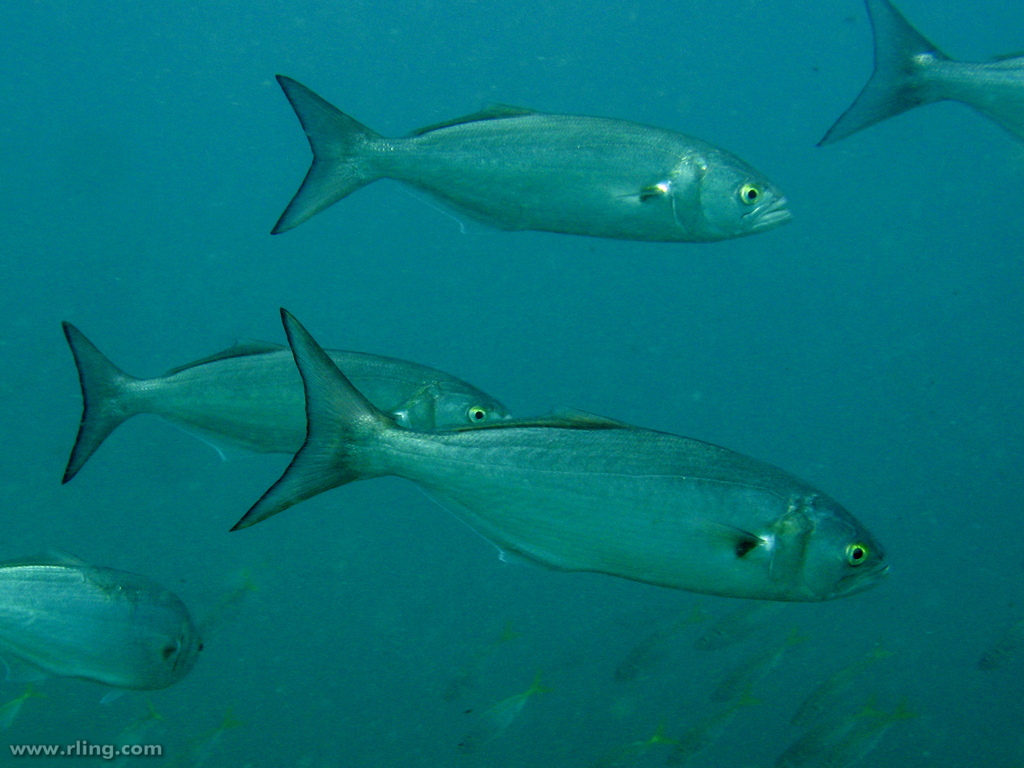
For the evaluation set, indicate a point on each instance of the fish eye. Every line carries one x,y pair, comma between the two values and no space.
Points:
750,193
856,554
477,414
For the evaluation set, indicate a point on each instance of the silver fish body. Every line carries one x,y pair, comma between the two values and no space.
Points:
590,494
251,396
910,71
65,618
516,169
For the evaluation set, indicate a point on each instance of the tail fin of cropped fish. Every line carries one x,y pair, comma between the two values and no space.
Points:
338,420
896,85
338,168
105,401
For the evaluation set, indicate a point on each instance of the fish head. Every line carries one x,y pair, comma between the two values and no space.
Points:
838,556
735,199
167,645
437,406
176,654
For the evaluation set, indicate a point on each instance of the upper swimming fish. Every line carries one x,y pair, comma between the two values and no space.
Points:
250,395
517,169
583,493
911,71
62,617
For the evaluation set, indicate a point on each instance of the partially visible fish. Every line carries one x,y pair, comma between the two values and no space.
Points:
743,676
862,739
493,722
518,169
583,493
202,748
1006,647
241,585
911,71
140,731
839,742
831,692
251,396
10,710
707,731
655,646
634,751
62,617
471,669
740,623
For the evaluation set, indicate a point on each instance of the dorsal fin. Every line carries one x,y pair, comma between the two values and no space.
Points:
241,349
1009,56
493,112
47,557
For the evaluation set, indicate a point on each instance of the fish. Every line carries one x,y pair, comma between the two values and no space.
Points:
199,750
472,668
1006,647
577,492
709,730
517,169
634,751
839,742
911,71
737,625
831,692
62,617
747,673
241,585
653,648
862,739
141,731
10,710
494,721
251,396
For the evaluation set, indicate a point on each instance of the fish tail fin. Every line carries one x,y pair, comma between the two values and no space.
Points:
896,84
338,419
105,398
337,141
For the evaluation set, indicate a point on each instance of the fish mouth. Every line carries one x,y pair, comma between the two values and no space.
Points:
859,581
771,215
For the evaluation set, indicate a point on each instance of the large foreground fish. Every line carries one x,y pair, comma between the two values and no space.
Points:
62,617
911,71
582,493
251,396
517,169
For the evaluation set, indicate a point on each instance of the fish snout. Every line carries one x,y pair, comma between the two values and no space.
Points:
772,214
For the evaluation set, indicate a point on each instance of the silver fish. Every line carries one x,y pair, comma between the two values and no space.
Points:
517,169
911,71
251,396
582,493
62,617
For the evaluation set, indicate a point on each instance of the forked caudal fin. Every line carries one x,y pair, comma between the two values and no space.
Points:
897,84
105,400
338,417
338,169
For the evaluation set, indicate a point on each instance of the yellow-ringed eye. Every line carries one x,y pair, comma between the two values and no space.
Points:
750,193
477,414
856,554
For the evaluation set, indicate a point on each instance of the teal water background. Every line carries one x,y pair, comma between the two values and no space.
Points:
872,347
